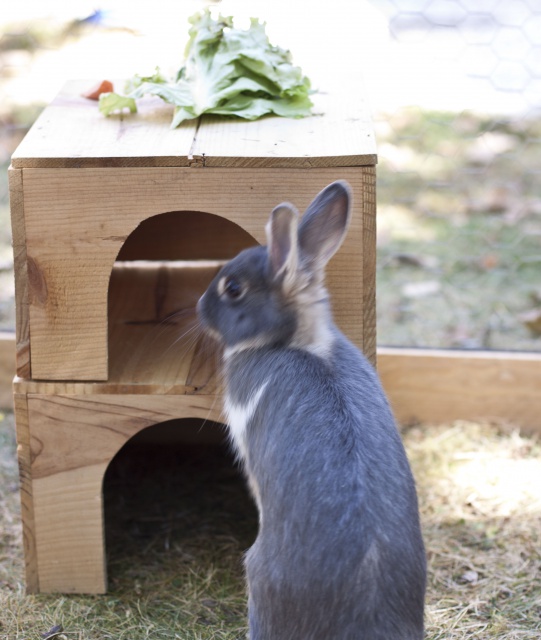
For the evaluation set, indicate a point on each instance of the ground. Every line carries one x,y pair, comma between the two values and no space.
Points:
179,521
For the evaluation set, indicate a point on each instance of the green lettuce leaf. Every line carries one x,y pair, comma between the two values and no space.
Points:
226,71
111,102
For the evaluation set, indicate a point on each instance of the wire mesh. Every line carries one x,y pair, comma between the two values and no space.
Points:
459,196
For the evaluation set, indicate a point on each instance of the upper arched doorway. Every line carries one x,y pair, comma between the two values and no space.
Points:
162,269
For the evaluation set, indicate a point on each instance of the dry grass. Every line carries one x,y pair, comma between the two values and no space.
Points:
177,524
480,491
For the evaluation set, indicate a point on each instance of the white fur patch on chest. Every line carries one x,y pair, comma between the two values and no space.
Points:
238,416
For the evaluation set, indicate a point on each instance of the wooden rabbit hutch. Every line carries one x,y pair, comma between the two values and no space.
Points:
118,225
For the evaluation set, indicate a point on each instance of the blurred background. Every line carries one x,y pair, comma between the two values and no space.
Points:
455,93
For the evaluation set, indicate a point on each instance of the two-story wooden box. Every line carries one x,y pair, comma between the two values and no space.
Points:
118,226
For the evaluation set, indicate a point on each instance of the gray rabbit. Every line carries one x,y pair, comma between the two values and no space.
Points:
339,554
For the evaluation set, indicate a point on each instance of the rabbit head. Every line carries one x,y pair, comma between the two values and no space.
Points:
275,295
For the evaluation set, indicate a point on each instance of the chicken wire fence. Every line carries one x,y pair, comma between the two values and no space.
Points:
459,191
457,114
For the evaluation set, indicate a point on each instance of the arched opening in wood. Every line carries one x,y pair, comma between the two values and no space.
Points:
162,269
176,510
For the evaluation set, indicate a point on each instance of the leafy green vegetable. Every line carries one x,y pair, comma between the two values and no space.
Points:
226,71
110,102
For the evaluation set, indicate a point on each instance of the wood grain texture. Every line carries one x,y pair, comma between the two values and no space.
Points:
7,368
24,456
78,221
73,431
72,441
339,134
369,265
433,386
69,531
22,318
72,133
155,343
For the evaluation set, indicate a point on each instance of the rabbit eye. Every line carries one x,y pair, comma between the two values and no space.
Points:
232,288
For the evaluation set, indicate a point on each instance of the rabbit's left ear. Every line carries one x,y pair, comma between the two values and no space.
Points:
324,225
282,242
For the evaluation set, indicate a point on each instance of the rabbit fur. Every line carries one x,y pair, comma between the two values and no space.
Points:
339,554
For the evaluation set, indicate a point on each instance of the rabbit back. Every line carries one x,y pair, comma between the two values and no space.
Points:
339,552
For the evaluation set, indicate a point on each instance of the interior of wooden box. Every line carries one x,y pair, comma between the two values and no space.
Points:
165,265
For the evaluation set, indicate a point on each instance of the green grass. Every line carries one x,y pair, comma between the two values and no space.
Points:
459,206
178,523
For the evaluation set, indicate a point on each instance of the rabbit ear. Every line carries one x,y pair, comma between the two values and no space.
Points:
282,242
324,225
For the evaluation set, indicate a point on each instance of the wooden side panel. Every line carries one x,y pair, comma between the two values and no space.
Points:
69,531
26,492
68,432
16,199
441,386
7,369
423,386
73,440
77,222
369,264
155,343
68,313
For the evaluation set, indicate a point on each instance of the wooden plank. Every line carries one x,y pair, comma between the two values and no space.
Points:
339,134
429,386
73,431
369,264
7,368
155,342
22,318
68,313
24,455
73,439
71,132
433,386
69,531
78,221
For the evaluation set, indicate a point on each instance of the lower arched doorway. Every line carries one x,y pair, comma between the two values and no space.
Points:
178,518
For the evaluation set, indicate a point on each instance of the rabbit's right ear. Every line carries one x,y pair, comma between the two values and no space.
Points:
282,243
